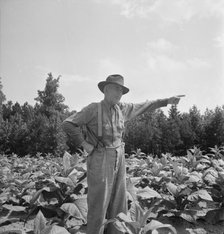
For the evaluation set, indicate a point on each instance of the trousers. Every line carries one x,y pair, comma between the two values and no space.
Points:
106,197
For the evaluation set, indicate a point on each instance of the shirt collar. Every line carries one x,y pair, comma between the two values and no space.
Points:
108,106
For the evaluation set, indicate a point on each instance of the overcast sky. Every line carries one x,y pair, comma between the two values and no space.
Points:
161,47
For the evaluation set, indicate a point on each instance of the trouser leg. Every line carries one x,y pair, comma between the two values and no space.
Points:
100,179
118,201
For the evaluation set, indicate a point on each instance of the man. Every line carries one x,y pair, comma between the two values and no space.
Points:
104,124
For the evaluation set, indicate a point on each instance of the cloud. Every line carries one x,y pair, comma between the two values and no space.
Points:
42,68
69,79
161,46
173,11
65,78
197,63
110,66
219,41
159,55
184,10
163,55
164,63
131,8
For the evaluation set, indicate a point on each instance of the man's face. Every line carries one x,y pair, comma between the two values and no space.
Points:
113,93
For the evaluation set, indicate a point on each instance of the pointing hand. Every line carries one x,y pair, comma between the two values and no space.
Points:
175,99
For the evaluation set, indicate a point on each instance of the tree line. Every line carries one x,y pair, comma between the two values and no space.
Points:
157,133
27,129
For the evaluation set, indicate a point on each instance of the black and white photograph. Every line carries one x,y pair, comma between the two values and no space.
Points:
111,116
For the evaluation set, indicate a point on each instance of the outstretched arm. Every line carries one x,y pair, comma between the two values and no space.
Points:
175,99
131,110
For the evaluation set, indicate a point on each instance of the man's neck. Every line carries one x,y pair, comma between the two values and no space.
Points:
108,103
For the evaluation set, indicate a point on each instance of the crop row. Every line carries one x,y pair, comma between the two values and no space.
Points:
52,191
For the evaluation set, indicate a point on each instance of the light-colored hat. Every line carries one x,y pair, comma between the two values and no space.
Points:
113,79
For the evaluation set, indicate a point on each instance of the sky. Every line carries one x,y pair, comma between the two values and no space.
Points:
162,48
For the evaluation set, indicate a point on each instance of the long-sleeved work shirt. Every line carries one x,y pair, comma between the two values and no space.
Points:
113,121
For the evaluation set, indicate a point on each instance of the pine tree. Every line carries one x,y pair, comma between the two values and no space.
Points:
161,132
196,125
50,100
214,128
174,137
2,99
187,133
27,112
50,111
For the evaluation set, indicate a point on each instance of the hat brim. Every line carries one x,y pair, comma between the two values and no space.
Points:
102,84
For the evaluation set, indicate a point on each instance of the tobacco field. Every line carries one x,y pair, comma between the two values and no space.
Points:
167,194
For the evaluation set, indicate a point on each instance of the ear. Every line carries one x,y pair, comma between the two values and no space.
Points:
105,89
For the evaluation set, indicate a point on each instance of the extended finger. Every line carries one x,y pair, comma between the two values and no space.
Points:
179,96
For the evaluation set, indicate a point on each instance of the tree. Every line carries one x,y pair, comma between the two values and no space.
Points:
50,111
187,133
27,129
27,112
7,110
173,135
146,132
14,135
195,119
213,133
2,99
161,132
49,100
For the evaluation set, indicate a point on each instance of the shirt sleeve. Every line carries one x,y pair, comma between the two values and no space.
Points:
131,110
72,126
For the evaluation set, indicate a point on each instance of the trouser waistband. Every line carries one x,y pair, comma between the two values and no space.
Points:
111,147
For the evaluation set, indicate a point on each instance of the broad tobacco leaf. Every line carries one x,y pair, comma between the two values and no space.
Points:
201,166
73,171
152,212
125,220
54,167
205,160
124,217
154,225
136,213
14,208
202,194
184,190
132,163
131,190
4,196
37,194
157,167
75,159
27,198
4,172
210,176
77,209
54,229
194,177
39,223
172,188
189,215
147,193
122,227
66,180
